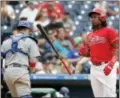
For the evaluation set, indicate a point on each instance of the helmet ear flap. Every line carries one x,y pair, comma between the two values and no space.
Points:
103,17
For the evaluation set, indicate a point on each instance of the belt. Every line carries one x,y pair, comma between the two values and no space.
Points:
16,65
99,63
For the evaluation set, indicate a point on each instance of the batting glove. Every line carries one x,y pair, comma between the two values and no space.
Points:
32,64
108,68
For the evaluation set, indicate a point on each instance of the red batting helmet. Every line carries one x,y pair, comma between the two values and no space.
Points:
99,11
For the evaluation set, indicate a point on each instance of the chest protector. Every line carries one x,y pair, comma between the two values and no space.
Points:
14,46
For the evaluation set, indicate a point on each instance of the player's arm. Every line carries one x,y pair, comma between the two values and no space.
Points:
84,50
32,64
34,55
84,47
113,39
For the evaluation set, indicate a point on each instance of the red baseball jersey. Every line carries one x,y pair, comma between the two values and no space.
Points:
100,42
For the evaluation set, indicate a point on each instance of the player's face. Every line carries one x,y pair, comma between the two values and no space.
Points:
27,31
15,31
95,19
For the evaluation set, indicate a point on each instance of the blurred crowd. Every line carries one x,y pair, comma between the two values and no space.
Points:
61,28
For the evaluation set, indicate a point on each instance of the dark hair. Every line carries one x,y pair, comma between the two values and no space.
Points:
38,16
103,24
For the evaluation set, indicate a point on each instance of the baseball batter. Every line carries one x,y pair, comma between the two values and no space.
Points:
17,51
101,46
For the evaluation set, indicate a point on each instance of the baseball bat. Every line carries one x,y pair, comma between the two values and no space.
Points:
49,41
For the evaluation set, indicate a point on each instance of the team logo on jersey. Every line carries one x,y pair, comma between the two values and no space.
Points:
96,40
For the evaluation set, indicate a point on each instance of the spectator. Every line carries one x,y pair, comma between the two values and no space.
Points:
73,54
48,65
42,19
54,23
68,36
68,26
30,12
57,44
7,13
53,8
62,46
44,46
67,22
41,42
61,36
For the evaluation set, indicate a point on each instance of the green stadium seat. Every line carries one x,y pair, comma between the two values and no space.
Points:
43,90
39,91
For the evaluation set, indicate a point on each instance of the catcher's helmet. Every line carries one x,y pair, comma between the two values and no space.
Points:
99,11
25,24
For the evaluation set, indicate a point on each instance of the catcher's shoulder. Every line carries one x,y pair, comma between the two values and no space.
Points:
7,40
34,39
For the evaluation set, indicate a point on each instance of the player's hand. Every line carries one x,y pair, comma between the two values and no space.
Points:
110,65
84,50
108,68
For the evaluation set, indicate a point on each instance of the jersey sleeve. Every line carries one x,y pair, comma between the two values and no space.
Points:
33,50
112,36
